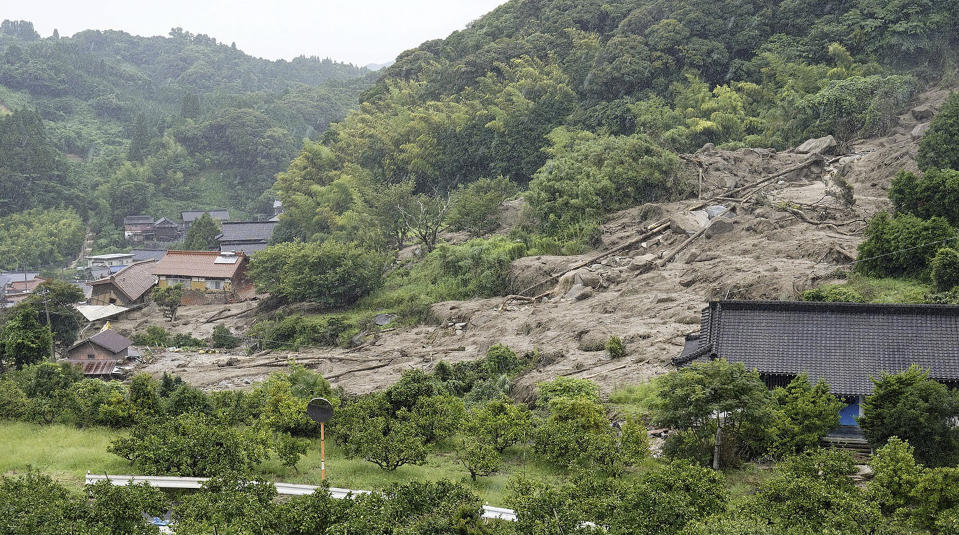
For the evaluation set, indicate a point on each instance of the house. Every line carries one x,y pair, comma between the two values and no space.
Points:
15,291
129,286
206,276
189,216
844,344
110,260
99,355
137,228
166,230
246,236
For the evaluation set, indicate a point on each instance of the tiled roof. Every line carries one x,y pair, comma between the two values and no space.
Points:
140,255
197,264
164,222
25,286
109,339
95,366
189,216
842,343
247,231
138,220
133,280
243,247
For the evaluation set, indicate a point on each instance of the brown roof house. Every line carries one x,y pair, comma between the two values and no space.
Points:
99,355
207,277
129,286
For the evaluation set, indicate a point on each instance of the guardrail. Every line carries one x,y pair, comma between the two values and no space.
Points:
287,489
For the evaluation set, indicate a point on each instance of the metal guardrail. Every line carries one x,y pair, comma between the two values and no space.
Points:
287,489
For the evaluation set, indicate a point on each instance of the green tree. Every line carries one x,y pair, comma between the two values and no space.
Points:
913,407
478,458
476,205
190,106
934,193
222,337
202,234
806,413
331,274
499,423
139,140
895,475
168,299
368,429
903,245
937,149
945,269
56,299
25,340
720,408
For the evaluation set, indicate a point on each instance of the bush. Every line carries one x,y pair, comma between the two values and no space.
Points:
223,338
331,274
936,193
154,336
806,413
185,340
566,387
295,331
834,293
615,347
945,269
477,268
475,206
913,407
939,148
192,445
501,359
903,245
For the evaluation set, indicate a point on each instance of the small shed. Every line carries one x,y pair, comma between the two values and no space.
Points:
166,230
105,345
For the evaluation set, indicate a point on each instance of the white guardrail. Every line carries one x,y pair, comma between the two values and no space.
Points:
288,489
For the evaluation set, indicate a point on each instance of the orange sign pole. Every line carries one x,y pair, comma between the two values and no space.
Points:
322,453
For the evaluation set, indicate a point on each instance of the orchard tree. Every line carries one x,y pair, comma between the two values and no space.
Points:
499,423
913,407
718,408
478,458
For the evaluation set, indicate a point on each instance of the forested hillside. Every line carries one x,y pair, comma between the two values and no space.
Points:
108,124
587,107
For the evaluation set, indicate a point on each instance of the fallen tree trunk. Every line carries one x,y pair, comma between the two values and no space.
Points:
734,191
690,240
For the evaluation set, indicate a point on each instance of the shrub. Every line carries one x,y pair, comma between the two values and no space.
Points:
477,268
903,245
945,269
498,423
331,274
501,359
191,445
185,340
223,338
566,387
806,414
615,347
475,206
295,331
834,293
154,336
939,148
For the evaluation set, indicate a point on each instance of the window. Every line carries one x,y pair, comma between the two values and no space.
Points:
214,285
91,356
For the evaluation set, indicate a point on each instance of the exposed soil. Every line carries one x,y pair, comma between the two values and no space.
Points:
778,239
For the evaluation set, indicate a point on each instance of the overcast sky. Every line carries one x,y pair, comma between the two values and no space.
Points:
356,31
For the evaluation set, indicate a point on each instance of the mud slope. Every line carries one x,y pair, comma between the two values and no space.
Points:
779,238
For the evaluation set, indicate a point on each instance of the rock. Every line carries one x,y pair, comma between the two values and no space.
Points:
720,226
579,292
232,361
643,264
359,338
922,113
615,277
383,319
821,145
685,223
919,131
708,147
688,280
594,340
588,279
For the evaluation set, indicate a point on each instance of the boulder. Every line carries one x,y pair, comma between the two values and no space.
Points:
587,278
820,145
922,113
579,292
593,340
720,226
643,264
919,131
685,223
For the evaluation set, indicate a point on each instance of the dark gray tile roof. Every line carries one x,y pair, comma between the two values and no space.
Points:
842,343
164,222
109,339
140,255
138,220
247,231
188,216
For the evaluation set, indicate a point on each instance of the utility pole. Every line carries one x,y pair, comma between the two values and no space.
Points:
46,309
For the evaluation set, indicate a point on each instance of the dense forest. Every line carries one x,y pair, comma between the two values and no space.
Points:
106,124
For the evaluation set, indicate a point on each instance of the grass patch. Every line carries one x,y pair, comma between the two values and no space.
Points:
636,400
888,290
63,452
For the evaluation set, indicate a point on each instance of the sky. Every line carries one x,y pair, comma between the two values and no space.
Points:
357,31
